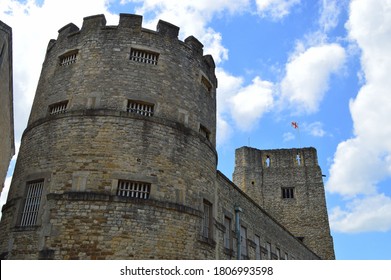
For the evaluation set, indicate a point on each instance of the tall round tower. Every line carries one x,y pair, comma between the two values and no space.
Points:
119,152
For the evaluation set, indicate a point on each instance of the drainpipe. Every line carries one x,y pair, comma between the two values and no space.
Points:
238,210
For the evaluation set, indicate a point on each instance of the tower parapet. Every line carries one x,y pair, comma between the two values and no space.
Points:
78,61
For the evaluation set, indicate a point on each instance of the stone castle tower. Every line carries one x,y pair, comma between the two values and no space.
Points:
288,184
7,146
118,160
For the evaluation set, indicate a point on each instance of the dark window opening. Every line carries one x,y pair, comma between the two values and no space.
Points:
133,189
144,56
58,108
205,82
141,108
287,192
205,132
207,220
32,203
68,58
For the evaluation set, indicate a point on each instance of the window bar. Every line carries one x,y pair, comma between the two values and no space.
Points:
31,207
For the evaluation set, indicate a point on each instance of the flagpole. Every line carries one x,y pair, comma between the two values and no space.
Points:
298,131
295,125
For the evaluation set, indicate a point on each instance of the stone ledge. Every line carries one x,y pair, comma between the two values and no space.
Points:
93,196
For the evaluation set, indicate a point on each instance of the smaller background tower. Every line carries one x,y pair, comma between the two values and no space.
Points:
288,184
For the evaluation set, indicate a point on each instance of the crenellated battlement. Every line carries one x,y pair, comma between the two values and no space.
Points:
129,23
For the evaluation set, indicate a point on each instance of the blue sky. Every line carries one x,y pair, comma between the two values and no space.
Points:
321,63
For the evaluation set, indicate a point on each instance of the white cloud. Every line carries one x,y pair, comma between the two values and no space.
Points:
307,75
240,104
362,162
224,130
356,169
276,9
371,213
329,14
315,129
251,102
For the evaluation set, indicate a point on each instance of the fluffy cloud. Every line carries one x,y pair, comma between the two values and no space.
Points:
315,129
361,215
242,104
251,102
363,161
329,15
277,9
307,75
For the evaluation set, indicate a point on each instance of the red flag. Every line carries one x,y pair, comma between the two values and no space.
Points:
295,125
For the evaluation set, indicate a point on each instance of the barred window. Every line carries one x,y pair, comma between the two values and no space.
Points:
143,56
207,220
133,189
58,108
141,108
68,58
32,203
287,192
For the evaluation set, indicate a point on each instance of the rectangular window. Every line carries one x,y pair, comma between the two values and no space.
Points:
205,132
68,58
133,189
32,203
207,220
205,82
278,251
269,250
287,192
286,256
227,233
144,56
257,242
141,108
58,108
243,240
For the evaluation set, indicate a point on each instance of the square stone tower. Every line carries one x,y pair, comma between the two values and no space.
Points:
288,184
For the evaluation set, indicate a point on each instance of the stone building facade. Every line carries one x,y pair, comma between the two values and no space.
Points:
118,160
7,148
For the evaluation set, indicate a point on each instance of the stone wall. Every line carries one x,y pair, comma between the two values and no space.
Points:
263,174
257,223
7,147
84,143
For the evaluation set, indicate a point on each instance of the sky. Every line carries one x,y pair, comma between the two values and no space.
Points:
321,63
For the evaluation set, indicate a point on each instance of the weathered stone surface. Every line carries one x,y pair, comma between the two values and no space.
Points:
84,152
7,148
305,215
